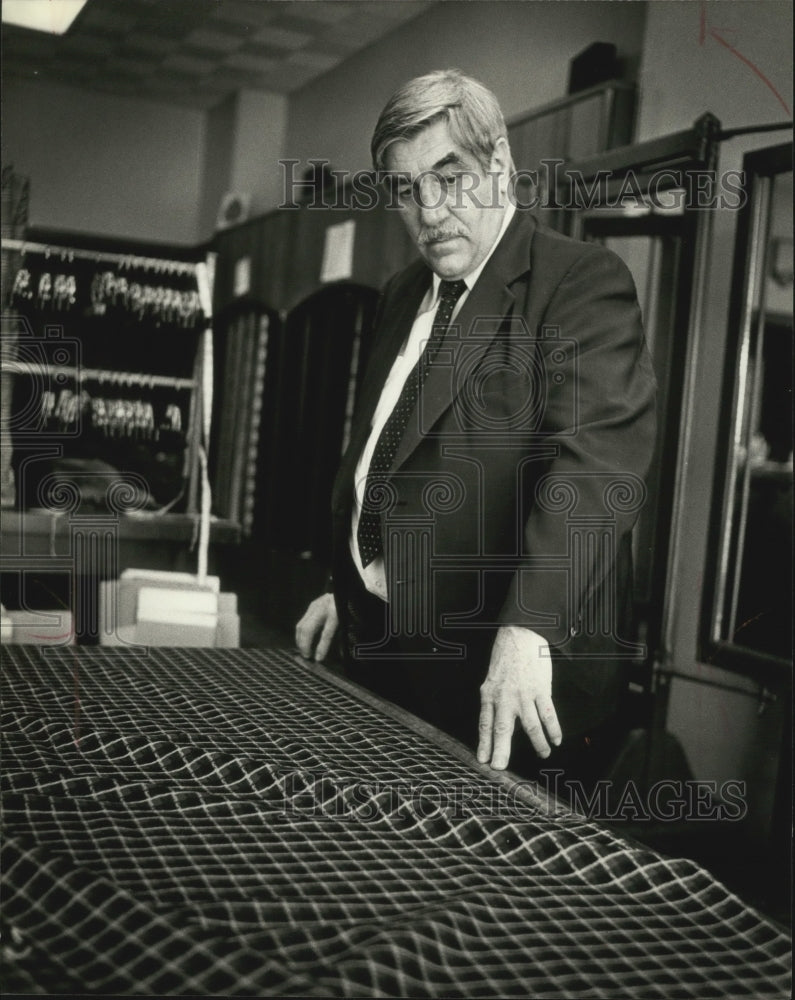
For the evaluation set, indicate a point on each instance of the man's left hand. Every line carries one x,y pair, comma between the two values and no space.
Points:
518,685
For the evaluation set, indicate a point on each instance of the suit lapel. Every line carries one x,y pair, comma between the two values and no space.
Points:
491,299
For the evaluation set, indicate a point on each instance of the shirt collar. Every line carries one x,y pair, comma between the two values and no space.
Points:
472,277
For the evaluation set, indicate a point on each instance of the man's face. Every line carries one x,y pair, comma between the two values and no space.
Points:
452,209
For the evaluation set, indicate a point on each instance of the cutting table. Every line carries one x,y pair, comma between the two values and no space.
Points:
243,823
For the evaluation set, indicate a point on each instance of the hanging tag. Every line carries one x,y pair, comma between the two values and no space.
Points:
242,276
338,252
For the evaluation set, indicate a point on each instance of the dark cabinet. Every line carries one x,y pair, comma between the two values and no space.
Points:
571,129
311,394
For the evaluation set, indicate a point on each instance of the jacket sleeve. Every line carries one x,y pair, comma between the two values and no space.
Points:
600,415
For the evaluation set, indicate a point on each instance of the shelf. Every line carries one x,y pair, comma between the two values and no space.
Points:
70,555
132,379
166,265
773,471
44,532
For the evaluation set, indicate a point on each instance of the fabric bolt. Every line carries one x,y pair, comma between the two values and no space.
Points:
369,530
244,823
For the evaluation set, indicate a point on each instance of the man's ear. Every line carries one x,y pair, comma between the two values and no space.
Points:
502,163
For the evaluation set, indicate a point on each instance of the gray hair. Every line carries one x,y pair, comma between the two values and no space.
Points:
474,116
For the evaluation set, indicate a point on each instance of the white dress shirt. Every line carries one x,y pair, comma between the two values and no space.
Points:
374,575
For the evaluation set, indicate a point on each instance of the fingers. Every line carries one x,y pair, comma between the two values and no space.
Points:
504,722
495,731
497,723
327,634
485,724
319,620
549,719
540,721
535,731
304,634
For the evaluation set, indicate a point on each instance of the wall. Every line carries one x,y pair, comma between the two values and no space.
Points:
109,165
219,139
520,50
244,138
260,125
686,71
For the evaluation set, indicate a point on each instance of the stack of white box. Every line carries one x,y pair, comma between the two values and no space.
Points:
157,608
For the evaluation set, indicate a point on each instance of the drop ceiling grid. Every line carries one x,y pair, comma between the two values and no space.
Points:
198,52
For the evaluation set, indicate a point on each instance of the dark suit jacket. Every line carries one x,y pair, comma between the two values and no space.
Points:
516,485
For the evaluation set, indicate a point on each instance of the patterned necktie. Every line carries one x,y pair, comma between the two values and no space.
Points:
368,535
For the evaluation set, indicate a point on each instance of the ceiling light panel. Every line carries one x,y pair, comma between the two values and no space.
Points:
54,18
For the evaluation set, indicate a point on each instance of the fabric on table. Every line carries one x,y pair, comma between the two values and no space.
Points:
239,822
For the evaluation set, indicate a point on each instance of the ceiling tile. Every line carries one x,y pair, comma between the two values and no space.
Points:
187,64
107,87
25,69
83,78
29,45
195,101
138,67
215,41
292,78
257,49
251,14
108,20
126,81
340,47
293,21
129,57
213,84
321,61
282,38
172,21
172,79
358,31
196,53
149,43
234,29
236,79
392,10
133,8
324,13
251,63
72,67
89,46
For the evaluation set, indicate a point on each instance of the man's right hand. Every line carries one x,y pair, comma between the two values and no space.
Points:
318,625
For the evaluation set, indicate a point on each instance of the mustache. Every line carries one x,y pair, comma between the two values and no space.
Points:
439,233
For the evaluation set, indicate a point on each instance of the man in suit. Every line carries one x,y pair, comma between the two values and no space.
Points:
482,512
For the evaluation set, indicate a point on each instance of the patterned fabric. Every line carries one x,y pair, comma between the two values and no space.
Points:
368,534
241,823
